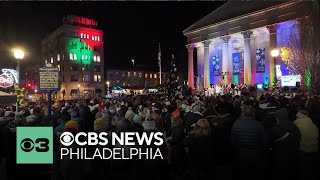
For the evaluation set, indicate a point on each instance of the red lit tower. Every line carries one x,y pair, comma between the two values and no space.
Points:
76,48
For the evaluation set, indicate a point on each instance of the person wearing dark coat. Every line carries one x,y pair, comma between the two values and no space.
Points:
248,140
200,148
193,118
285,145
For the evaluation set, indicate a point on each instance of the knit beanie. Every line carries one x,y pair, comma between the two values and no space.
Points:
100,125
71,126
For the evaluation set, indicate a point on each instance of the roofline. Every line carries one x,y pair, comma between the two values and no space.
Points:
186,33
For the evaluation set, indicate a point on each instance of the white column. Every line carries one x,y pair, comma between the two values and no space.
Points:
273,44
247,57
190,48
225,58
200,63
206,70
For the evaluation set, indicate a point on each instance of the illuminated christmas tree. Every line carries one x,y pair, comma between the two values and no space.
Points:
173,86
20,92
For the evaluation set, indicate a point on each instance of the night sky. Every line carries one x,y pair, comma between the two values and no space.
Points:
131,29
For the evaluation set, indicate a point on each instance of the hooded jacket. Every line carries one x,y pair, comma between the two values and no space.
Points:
309,133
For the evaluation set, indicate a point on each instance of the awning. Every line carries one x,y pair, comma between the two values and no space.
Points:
6,98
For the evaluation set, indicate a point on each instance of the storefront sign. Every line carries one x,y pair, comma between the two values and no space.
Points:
8,78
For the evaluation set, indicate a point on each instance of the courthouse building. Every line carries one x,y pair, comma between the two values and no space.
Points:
76,48
233,43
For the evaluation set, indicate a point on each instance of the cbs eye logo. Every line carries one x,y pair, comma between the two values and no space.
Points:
40,145
66,138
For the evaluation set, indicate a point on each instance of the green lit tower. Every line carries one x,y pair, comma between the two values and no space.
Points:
76,48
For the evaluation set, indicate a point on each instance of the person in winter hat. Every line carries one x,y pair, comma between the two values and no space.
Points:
309,132
149,124
65,117
137,119
71,126
100,125
129,114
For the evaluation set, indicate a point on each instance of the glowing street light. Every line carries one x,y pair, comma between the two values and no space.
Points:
132,62
108,88
18,54
275,53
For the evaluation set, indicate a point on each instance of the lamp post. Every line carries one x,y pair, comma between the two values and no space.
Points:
275,53
18,54
132,60
79,90
108,86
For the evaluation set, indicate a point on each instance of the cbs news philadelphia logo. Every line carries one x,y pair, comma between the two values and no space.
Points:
34,145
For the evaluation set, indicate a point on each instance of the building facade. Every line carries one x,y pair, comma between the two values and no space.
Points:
233,43
76,48
136,79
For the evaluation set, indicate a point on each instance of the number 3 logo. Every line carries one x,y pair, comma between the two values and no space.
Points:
43,145
40,145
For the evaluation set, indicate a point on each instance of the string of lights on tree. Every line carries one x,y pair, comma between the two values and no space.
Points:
173,87
20,92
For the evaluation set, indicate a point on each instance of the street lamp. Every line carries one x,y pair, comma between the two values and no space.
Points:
79,90
108,85
18,54
275,53
132,62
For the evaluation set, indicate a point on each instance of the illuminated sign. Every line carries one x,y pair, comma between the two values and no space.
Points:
8,78
72,19
49,78
290,80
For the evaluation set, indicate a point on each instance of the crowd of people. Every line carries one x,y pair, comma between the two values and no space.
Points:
247,136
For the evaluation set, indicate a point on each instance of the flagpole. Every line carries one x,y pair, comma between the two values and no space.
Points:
159,59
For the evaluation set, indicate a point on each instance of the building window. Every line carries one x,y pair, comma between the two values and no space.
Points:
73,45
73,77
128,74
87,36
58,57
82,57
94,58
123,74
98,38
95,38
59,67
92,37
86,78
150,76
85,68
146,75
51,60
96,49
97,78
155,75
140,74
74,67
134,74
86,57
98,58
46,61
74,56
118,81
71,56
81,35
96,68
